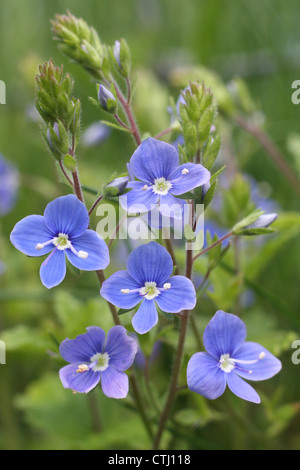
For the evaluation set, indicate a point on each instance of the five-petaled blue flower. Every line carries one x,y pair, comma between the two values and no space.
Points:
93,360
148,279
63,231
229,360
156,165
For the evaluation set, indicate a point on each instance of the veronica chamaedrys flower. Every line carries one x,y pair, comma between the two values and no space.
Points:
93,359
229,360
63,231
161,178
9,183
148,281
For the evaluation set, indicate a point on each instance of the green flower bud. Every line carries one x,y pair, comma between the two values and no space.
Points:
122,57
107,100
79,41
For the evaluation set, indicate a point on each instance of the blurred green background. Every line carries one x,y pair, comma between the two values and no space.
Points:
257,41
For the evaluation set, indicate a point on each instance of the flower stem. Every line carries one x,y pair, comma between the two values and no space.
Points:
140,404
77,185
170,249
112,308
177,364
127,108
164,132
65,173
95,204
212,246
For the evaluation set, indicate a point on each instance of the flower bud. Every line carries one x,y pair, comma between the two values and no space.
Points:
122,55
263,221
107,100
116,187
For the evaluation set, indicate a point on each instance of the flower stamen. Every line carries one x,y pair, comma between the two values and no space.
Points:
161,186
62,242
82,368
227,363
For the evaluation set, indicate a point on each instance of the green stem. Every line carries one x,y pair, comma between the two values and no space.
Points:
140,404
213,245
177,364
95,204
129,114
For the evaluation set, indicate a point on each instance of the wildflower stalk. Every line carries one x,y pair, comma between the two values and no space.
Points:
127,109
212,246
164,132
132,377
177,363
95,204
65,173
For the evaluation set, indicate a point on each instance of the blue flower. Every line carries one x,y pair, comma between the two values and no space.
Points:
93,360
229,360
95,134
63,231
156,165
148,279
9,182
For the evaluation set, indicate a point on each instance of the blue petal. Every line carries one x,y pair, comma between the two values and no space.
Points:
205,377
181,295
241,388
181,183
224,334
84,346
138,200
114,383
67,215
95,246
150,263
81,382
146,317
28,233
171,206
120,348
261,370
154,159
53,269
111,290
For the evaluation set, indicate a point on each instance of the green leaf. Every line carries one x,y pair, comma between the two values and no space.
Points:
121,311
252,217
115,126
69,162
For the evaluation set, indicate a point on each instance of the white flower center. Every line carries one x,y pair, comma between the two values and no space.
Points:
62,242
102,361
161,186
149,291
227,363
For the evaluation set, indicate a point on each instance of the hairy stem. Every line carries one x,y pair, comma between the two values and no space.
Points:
177,364
127,108
212,245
